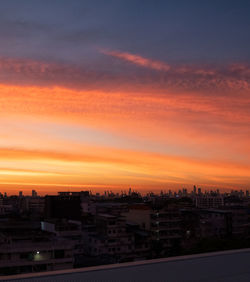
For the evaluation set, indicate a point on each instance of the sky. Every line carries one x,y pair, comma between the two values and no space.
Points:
153,95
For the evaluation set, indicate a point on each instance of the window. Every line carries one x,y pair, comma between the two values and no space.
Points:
59,254
25,255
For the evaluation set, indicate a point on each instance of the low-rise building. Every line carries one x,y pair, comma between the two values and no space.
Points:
24,249
207,201
110,239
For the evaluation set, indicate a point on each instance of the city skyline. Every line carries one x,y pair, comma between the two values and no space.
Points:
184,191
155,96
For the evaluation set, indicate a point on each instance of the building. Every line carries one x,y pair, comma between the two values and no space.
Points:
110,239
109,208
142,241
240,220
164,225
166,230
139,214
63,206
207,201
24,248
215,223
35,205
66,229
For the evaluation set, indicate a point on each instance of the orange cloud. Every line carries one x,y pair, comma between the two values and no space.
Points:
188,121
169,130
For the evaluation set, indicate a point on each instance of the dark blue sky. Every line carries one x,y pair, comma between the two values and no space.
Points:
171,31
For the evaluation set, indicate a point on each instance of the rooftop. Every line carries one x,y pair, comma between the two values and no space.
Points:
229,266
106,215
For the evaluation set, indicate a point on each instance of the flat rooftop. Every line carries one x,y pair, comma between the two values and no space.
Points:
229,266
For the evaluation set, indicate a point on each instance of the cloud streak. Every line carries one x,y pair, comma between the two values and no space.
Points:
138,60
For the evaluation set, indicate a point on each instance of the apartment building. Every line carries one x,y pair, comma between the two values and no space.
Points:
24,248
110,239
164,225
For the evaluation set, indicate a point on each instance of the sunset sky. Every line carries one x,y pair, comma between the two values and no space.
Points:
112,94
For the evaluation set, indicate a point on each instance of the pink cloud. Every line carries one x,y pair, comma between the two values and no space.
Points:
138,60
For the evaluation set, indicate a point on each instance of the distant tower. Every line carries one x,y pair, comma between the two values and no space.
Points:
194,189
20,194
34,193
130,191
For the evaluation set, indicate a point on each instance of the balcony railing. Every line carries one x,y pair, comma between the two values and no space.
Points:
33,246
23,262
